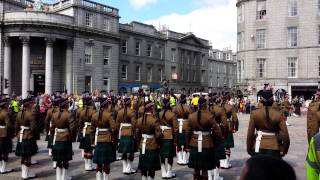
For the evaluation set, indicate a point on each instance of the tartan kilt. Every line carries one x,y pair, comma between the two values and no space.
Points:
150,161
204,160
79,136
270,152
62,151
85,143
50,140
5,145
228,141
220,152
167,149
26,148
104,153
127,145
182,139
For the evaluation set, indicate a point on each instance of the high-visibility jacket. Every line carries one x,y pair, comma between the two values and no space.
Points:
158,105
195,101
173,101
313,157
80,103
14,105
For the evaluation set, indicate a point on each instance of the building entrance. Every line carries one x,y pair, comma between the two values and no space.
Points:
305,91
39,83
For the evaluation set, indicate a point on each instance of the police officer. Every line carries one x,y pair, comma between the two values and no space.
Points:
104,141
63,136
169,130
148,134
127,146
312,163
182,112
26,130
267,130
85,125
6,135
202,130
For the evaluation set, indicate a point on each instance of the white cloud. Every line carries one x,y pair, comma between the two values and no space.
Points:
138,4
216,22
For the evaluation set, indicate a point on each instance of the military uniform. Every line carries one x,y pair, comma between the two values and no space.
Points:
286,108
127,143
182,112
148,133
48,125
63,135
169,129
105,138
87,138
6,135
313,121
202,131
272,136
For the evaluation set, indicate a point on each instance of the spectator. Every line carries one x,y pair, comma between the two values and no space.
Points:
264,167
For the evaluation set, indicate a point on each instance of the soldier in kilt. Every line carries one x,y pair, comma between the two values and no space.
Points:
148,134
169,130
105,140
48,124
6,135
127,146
26,130
216,109
63,136
85,116
182,112
233,125
202,130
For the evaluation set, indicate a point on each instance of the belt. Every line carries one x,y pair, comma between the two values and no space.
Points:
23,128
49,133
163,128
56,131
123,125
97,133
181,124
3,127
200,138
86,125
259,136
144,142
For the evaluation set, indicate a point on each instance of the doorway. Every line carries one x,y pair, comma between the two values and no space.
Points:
39,83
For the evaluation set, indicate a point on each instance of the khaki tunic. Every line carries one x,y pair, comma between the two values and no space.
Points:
207,123
27,118
130,119
150,126
48,119
220,117
106,121
85,115
170,120
63,120
231,113
280,141
6,122
313,121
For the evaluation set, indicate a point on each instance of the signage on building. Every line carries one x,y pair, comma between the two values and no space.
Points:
174,76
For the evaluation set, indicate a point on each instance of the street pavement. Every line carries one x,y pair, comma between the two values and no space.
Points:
296,157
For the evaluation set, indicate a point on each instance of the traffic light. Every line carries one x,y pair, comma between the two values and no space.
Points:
6,83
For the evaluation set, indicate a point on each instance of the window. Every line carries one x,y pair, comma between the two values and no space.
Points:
211,81
106,55
137,48
188,58
292,67
87,83
106,23
161,52
124,70
149,50
202,60
138,73
124,45
194,76
88,54
203,76
261,67
239,38
174,73
195,59
218,81
239,71
89,19
161,74
181,74
241,14
319,66
292,8
106,85
149,74
188,75
292,37
261,10
182,58
319,34
173,55
261,38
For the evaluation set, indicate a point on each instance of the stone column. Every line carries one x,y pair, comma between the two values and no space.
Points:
25,66
69,71
7,65
49,65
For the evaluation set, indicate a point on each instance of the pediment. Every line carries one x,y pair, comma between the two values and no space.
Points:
191,39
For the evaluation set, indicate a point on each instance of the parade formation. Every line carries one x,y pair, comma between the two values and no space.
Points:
197,130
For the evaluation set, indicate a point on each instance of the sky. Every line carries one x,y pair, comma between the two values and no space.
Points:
214,20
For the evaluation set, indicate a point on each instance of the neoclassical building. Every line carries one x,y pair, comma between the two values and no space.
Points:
278,43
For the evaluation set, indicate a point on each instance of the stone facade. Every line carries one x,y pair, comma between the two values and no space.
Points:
285,35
